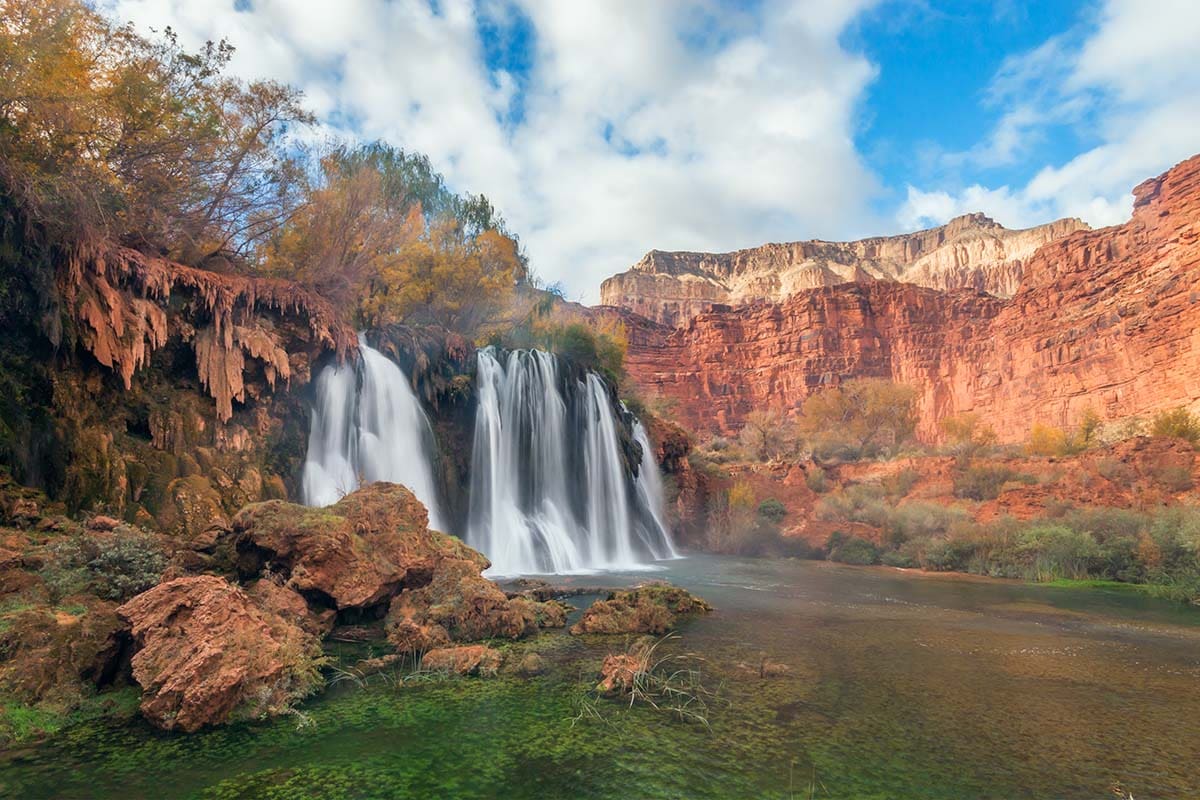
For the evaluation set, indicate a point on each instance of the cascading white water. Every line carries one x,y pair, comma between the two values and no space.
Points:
650,489
549,490
367,426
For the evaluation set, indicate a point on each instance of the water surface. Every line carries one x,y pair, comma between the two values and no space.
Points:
897,686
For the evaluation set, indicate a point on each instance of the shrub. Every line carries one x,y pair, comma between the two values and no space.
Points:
1179,423
766,435
1046,440
772,510
851,550
922,520
967,434
115,569
896,558
985,482
718,443
948,555
899,484
816,479
858,503
1117,471
862,417
1057,551
1173,477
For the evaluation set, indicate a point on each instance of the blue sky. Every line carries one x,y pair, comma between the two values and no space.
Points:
606,129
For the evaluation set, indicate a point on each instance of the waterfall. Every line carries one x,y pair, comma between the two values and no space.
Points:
650,489
549,489
367,426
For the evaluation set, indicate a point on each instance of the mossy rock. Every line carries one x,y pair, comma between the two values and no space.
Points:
653,609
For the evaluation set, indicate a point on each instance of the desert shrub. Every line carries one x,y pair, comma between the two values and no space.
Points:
947,555
1179,423
986,481
967,434
861,418
1057,551
858,503
1173,477
1046,440
916,520
772,510
718,444
897,558
1117,471
851,550
764,540
116,568
899,484
816,479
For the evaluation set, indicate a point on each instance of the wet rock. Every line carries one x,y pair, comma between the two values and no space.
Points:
277,599
357,553
619,672
205,652
653,608
51,652
468,660
460,605
530,665
192,508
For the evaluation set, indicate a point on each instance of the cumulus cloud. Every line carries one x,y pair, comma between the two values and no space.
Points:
1128,82
677,124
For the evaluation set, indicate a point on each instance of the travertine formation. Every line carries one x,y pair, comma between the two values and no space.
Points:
1106,319
971,251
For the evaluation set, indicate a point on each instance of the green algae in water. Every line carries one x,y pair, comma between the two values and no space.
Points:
898,686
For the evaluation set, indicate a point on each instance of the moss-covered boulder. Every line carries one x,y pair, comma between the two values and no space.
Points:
460,605
206,652
355,554
653,608
57,652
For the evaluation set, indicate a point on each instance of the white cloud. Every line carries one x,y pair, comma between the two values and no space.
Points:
670,124
1129,81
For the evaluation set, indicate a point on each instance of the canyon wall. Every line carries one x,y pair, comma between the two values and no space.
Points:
1106,319
971,251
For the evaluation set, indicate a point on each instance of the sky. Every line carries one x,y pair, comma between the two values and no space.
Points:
602,130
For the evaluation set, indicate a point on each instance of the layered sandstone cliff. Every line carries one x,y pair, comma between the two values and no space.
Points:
972,251
1106,319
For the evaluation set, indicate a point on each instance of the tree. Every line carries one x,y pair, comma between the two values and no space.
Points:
765,435
442,276
863,416
106,136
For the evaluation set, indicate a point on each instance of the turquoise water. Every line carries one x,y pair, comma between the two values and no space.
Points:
897,686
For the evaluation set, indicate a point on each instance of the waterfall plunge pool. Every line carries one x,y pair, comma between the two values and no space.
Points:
898,685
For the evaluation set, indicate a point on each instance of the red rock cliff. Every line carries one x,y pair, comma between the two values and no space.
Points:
1108,319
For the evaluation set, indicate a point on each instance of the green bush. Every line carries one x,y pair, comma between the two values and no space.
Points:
1057,551
985,482
896,558
851,550
948,555
772,510
116,568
